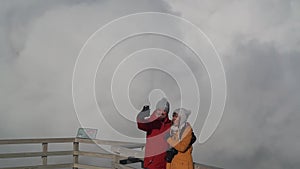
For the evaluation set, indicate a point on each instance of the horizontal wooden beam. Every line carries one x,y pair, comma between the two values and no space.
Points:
36,141
93,154
66,140
35,154
127,152
109,142
42,166
76,165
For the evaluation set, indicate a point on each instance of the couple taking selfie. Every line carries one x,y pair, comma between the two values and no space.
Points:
168,143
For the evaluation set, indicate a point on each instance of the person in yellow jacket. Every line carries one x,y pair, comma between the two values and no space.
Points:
181,134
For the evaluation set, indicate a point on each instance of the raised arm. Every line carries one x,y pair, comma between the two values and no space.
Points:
184,144
143,123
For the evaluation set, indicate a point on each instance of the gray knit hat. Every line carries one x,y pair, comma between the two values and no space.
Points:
184,115
163,104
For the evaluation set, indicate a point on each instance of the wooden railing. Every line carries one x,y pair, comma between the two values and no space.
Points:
124,152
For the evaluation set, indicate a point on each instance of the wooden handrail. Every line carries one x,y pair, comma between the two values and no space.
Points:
52,166
118,145
35,154
93,154
75,152
68,140
109,142
36,141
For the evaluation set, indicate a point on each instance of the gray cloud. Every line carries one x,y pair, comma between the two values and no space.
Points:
40,43
259,125
38,48
258,45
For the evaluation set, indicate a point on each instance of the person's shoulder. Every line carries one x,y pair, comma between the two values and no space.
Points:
188,126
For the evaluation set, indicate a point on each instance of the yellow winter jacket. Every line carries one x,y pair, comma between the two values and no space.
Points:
182,160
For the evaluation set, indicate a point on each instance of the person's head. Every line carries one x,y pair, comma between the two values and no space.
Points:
175,119
180,116
162,108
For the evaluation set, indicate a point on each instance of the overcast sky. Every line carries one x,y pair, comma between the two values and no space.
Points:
257,40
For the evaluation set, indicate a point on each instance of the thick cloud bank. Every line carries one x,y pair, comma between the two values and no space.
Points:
258,42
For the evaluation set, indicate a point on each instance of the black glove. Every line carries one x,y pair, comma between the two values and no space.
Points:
170,154
146,107
194,138
144,113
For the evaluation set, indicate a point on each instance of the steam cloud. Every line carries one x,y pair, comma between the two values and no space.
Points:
258,42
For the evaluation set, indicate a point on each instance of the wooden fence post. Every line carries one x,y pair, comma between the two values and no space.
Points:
44,155
115,161
75,156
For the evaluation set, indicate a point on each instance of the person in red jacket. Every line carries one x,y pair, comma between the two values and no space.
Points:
156,127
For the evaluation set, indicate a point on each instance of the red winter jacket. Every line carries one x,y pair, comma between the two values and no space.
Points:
156,145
